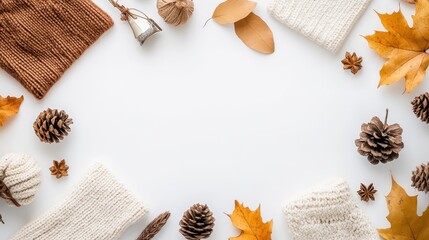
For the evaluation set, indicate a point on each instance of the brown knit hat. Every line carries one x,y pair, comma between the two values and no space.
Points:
40,39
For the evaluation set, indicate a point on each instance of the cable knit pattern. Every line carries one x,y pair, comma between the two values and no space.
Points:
326,22
328,212
98,208
21,174
40,39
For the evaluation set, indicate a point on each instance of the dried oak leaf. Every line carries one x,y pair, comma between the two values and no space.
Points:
232,11
250,223
405,47
9,106
403,218
255,33
59,169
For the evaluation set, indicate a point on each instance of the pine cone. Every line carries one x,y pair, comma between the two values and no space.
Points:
52,125
197,223
380,142
421,107
420,178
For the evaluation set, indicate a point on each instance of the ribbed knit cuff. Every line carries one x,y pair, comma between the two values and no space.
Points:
98,208
40,39
328,212
326,22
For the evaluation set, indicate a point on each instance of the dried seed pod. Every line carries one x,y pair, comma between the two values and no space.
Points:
379,141
154,227
197,223
52,125
421,107
367,193
420,178
352,62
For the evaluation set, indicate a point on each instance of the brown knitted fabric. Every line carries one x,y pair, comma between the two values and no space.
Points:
40,39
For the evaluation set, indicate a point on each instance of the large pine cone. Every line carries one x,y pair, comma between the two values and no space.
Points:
380,142
52,125
421,107
197,223
420,178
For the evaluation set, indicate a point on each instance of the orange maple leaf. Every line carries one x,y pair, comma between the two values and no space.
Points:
9,106
403,218
404,46
250,223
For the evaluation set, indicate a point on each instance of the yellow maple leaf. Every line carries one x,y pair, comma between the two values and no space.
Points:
405,224
9,106
404,46
250,223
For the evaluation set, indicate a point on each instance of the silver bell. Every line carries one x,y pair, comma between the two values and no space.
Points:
142,28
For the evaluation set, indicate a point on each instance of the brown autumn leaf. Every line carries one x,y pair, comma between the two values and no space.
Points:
9,106
403,218
250,223
405,47
232,11
255,33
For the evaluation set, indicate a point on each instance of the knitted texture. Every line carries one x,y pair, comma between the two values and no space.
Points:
327,213
98,208
326,22
22,175
39,40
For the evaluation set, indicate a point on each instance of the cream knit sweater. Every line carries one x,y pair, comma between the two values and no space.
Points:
99,208
328,212
326,22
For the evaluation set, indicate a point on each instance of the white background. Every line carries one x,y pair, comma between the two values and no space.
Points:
194,116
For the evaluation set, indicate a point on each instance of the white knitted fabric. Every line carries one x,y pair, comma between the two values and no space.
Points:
328,212
326,22
22,176
99,208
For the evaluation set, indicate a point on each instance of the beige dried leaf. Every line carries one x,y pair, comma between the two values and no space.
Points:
255,33
232,11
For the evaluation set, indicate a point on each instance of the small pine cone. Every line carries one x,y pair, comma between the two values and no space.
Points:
420,178
421,107
197,223
52,125
379,141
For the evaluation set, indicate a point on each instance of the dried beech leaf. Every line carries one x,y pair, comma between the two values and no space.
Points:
232,11
9,106
405,47
250,223
403,218
255,33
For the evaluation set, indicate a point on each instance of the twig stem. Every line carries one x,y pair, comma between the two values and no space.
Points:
385,118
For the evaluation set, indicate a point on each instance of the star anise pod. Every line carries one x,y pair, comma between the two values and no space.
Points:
59,169
352,62
367,193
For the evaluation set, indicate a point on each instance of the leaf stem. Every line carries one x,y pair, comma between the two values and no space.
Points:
385,118
207,22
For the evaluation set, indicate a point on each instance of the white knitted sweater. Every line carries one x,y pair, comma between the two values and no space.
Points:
99,208
328,212
326,22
